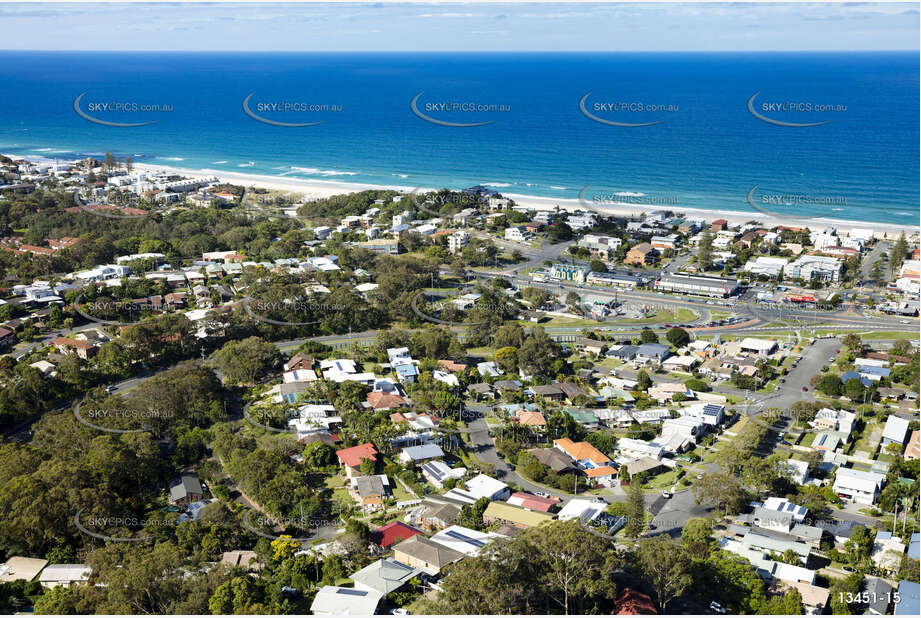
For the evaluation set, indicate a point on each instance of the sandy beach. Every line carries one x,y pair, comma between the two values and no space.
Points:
315,189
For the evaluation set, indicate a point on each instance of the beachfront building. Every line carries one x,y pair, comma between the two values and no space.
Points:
808,267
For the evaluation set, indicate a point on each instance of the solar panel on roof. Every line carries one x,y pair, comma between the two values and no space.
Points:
466,539
352,592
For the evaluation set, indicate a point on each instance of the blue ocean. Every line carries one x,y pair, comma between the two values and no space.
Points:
702,130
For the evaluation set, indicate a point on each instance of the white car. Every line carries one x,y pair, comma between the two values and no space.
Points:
716,607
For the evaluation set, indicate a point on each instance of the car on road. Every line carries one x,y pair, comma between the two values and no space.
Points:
400,611
542,494
716,607
904,321
666,495
782,380
780,436
111,388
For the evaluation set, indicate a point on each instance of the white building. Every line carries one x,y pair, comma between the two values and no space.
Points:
768,266
457,241
483,486
858,486
810,267
517,234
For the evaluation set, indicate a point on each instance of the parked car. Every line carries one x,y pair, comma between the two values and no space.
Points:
716,607
805,389
666,495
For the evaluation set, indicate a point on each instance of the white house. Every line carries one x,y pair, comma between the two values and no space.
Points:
483,486
858,486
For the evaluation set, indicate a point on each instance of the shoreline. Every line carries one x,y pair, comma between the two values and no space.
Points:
319,189
326,188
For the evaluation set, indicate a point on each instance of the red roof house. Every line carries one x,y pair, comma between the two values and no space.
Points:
393,533
351,457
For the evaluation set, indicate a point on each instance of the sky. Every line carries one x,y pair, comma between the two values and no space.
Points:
460,26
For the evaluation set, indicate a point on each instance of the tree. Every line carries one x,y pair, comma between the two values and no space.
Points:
598,266
678,337
877,272
853,342
58,600
318,455
721,489
557,568
284,547
247,361
705,250
830,384
573,302
898,254
664,562
643,381
697,538
636,510
649,336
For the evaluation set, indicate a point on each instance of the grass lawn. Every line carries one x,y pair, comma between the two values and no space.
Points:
807,438
399,493
334,482
663,481
682,315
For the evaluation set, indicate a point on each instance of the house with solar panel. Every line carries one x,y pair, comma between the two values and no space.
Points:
336,601
465,540
438,473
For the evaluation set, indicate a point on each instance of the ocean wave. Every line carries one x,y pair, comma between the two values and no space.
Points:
173,158
317,172
250,164
557,188
401,175
218,162
42,149
497,184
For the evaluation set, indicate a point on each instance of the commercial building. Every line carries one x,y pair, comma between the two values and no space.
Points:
714,287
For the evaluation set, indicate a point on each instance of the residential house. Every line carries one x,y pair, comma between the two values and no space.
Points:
514,515
385,576
641,254
421,454
857,485
482,486
370,491
20,567
336,601
185,489
895,431
423,554
464,540
350,458
392,533
438,472
64,575
535,503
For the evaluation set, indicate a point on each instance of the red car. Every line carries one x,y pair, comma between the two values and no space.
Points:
805,389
